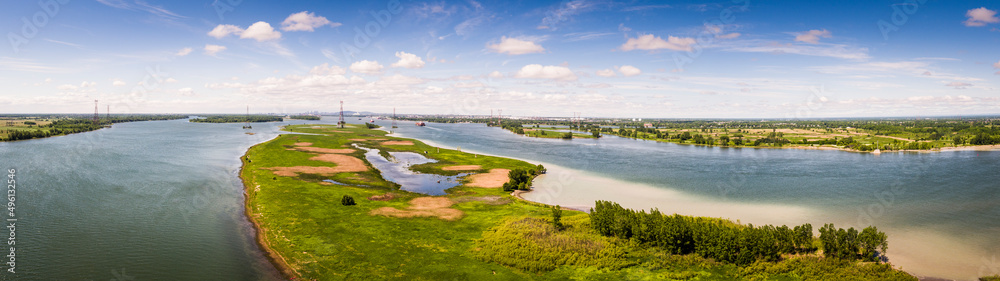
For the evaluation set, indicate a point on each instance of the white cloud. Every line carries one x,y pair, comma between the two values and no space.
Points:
565,13
496,74
821,50
86,84
326,69
996,65
812,36
67,87
224,30
184,52
474,84
514,46
606,73
628,70
733,35
980,17
367,67
212,50
958,85
171,80
546,72
187,92
305,21
400,80
433,90
260,31
117,83
408,60
651,42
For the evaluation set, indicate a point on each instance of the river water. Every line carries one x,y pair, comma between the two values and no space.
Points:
162,200
941,210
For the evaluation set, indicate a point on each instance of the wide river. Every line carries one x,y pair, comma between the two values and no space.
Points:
162,200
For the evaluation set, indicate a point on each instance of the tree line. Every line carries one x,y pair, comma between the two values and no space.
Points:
728,242
237,119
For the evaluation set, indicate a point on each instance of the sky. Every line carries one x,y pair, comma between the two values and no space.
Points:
629,59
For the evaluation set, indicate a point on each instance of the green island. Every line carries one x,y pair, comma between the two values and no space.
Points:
232,118
323,212
860,135
34,126
304,117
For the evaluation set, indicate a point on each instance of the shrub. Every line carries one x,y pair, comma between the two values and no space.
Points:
347,201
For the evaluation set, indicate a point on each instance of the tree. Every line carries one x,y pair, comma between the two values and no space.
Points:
557,218
347,201
567,135
873,244
595,133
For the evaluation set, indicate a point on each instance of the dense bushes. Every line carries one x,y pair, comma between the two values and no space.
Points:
869,245
815,268
520,179
718,239
304,117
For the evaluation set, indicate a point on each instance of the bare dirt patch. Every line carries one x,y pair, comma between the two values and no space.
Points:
324,150
303,144
294,171
344,163
337,131
494,179
383,197
423,207
397,143
461,168
366,139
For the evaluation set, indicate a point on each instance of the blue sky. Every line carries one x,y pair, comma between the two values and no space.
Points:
675,59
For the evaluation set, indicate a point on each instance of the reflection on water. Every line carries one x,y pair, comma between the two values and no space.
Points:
398,171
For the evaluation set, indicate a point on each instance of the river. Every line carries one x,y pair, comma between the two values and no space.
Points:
939,209
161,200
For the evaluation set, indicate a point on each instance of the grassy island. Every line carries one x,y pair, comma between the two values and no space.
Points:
324,213
35,126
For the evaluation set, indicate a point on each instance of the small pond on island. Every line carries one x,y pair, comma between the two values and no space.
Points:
397,170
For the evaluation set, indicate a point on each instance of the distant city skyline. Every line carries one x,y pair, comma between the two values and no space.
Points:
627,59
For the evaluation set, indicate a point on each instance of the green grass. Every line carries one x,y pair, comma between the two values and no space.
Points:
508,239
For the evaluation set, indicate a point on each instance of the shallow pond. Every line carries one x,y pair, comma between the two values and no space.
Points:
397,170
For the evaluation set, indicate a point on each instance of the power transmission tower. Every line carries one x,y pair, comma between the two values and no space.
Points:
394,118
341,114
95,113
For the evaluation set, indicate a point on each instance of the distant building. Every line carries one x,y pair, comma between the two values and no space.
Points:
647,125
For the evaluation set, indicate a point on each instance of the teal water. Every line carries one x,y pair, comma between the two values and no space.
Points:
157,200
162,201
941,210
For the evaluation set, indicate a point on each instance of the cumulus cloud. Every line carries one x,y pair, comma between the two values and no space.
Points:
260,31
996,65
651,42
117,83
367,67
628,70
184,52
223,30
171,80
514,46
980,17
187,92
305,21
606,73
546,72
812,36
958,85
408,60
496,74
212,50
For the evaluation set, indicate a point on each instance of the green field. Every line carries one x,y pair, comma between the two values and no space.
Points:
540,133
494,237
